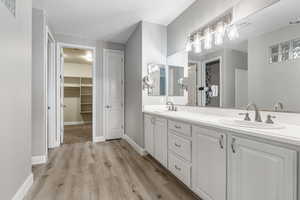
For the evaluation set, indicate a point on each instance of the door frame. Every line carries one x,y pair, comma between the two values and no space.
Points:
105,90
50,121
218,58
61,45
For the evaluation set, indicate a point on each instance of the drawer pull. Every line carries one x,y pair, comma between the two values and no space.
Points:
177,126
177,168
177,145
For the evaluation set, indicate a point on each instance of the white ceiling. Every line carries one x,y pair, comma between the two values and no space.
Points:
109,20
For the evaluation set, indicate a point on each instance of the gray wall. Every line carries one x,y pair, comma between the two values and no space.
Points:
202,12
15,79
154,50
100,45
148,44
133,87
270,83
232,60
38,83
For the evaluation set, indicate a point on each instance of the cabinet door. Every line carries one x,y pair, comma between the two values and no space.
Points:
160,141
149,134
261,171
209,164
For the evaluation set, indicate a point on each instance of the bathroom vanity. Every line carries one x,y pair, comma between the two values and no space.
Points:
218,160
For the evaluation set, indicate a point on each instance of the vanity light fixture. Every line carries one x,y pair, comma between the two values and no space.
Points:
197,43
232,32
188,46
215,31
208,38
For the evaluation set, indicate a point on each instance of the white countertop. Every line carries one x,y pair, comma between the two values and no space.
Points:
290,134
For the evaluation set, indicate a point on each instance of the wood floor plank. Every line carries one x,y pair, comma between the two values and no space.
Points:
104,171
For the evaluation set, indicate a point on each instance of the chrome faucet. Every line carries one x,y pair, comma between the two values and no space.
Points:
171,106
257,112
278,107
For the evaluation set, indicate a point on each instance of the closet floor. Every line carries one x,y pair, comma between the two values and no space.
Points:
77,133
104,171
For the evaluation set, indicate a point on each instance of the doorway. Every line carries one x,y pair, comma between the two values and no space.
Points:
113,63
211,89
76,94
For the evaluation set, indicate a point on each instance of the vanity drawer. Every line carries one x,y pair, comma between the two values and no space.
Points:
180,146
180,168
180,127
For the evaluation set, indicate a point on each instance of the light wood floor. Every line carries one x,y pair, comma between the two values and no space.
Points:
77,133
104,171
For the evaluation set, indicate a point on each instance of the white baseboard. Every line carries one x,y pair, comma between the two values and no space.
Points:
22,191
37,160
76,123
99,139
136,147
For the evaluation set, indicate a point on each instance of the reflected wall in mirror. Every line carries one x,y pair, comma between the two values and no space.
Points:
176,81
157,75
261,66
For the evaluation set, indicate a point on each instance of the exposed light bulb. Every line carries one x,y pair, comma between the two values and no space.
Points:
208,38
232,32
88,56
197,40
198,48
188,46
219,34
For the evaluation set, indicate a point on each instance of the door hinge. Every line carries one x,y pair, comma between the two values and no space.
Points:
122,127
60,76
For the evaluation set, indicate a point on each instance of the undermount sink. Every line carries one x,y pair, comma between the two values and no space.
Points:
251,124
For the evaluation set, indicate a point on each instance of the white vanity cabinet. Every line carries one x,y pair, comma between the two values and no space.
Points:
156,138
209,164
149,134
261,171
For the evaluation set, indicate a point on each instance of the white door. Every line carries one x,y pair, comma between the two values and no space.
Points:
261,171
53,140
114,94
149,134
160,141
60,95
209,164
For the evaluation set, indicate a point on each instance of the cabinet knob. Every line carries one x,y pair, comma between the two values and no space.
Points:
177,168
177,145
177,126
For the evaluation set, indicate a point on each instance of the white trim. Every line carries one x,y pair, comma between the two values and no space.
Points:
104,93
50,91
37,160
61,45
76,123
22,191
99,139
135,146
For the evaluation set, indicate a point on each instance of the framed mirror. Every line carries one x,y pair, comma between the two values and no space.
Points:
176,81
156,80
261,65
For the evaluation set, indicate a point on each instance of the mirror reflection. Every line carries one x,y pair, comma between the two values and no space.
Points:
156,80
261,66
176,81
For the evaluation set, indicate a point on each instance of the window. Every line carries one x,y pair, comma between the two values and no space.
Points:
274,54
285,51
296,48
11,5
